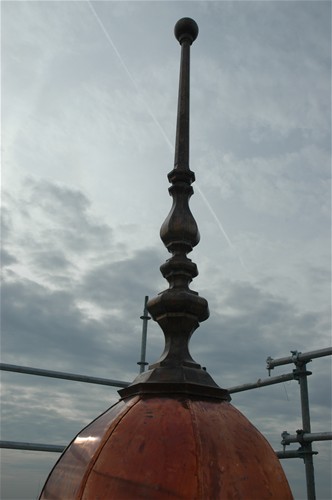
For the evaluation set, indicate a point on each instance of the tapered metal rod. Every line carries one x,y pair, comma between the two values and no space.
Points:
298,357
181,159
66,376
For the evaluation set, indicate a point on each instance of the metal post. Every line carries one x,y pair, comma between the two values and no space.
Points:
145,319
301,374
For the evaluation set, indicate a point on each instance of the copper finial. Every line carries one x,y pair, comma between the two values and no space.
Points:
172,435
179,310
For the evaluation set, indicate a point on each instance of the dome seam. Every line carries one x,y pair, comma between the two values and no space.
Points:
100,449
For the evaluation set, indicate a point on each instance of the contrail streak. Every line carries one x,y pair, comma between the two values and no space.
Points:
216,218
131,78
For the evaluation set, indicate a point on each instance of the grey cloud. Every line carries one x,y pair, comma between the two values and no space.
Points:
67,213
54,233
119,284
6,258
51,328
259,87
54,408
248,324
284,187
53,260
6,222
318,275
47,329
40,322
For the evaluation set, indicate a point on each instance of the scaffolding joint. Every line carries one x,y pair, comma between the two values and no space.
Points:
300,436
284,442
295,356
268,366
301,371
304,452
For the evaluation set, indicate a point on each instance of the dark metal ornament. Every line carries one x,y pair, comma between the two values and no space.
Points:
179,310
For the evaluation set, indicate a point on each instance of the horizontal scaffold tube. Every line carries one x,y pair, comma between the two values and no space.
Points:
66,376
294,453
306,437
54,448
298,357
262,383
18,445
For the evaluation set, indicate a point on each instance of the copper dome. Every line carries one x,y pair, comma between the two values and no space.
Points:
168,447
174,433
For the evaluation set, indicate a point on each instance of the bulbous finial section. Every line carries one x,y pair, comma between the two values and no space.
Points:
186,28
179,310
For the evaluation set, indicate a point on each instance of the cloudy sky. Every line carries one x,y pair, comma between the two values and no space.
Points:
89,97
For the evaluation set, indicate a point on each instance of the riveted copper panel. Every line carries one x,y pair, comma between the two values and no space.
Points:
68,475
166,448
236,461
152,456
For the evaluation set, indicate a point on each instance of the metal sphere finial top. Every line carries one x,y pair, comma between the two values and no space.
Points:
186,28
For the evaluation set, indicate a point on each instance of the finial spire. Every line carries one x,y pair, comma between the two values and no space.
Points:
179,310
186,31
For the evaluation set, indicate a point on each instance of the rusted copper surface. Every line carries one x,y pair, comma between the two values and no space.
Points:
68,475
168,447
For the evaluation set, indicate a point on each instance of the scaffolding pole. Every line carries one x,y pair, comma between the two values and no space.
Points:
302,375
19,445
58,448
300,453
304,437
262,383
298,357
66,376
142,363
